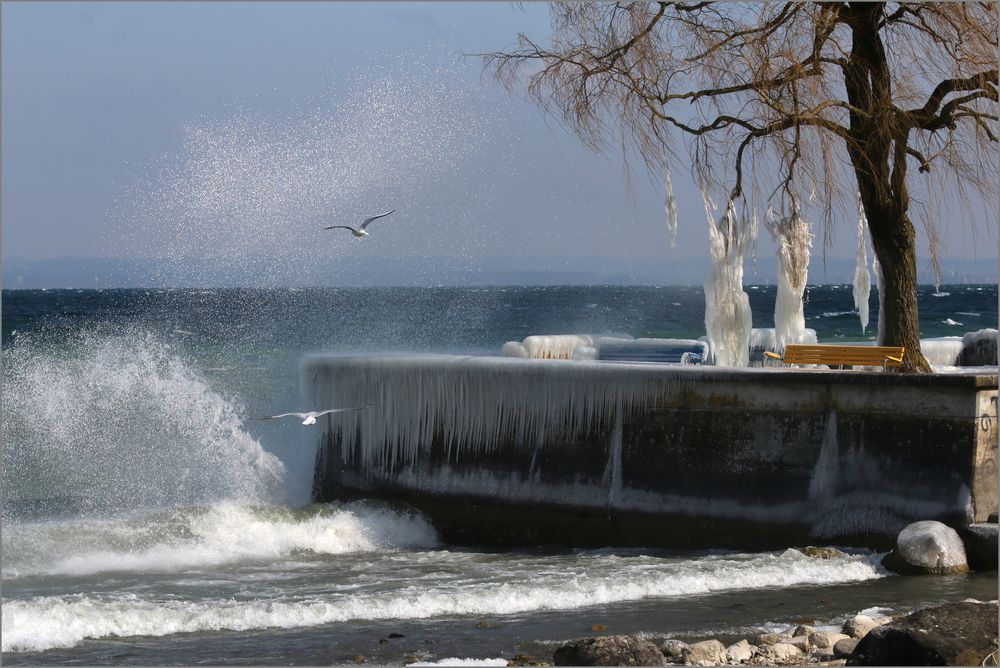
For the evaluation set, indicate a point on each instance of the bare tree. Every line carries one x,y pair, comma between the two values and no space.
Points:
838,100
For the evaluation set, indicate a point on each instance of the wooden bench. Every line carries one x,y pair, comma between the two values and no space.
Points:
842,356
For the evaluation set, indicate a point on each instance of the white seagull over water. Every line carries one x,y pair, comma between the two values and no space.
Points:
359,232
310,417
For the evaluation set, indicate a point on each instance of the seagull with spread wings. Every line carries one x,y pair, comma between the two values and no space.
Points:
361,231
310,417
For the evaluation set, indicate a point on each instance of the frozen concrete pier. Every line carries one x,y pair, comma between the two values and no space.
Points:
507,451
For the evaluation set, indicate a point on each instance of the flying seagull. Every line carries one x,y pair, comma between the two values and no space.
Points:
359,232
310,417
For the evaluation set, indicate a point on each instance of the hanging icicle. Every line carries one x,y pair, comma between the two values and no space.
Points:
862,278
670,207
880,282
727,305
794,245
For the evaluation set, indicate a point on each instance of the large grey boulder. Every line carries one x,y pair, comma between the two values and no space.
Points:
706,653
859,626
609,651
740,651
844,647
825,639
784,653
954,634
927,547
674,649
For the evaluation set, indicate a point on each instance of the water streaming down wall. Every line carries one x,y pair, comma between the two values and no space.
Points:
520,451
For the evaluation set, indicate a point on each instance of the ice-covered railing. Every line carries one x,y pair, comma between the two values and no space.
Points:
555,346
672,351
417,398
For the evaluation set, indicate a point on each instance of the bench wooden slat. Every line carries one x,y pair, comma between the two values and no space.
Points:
797,353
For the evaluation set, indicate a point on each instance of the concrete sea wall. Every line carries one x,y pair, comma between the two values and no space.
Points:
507,451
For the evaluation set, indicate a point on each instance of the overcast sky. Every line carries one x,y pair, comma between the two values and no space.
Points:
185,129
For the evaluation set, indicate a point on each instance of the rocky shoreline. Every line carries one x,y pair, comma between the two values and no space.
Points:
951,634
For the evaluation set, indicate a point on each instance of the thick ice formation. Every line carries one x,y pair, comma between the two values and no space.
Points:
559,346
444,392
862,278
766,338
931,545
794,242
727,306
514,349
942,351
979,348
670,206
880,281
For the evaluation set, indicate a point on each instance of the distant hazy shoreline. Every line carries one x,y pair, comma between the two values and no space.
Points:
419,271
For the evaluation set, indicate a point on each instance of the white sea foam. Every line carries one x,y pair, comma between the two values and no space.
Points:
191,538
120,422
62,621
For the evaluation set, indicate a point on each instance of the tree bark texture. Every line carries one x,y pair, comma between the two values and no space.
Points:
877,149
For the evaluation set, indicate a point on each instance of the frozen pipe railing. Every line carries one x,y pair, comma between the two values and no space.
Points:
554,346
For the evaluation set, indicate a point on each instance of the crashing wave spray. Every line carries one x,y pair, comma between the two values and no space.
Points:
727,306
119,423
794,242
670,207
862,278
255,189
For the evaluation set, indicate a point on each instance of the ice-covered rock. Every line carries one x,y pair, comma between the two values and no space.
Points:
942,350
928,547
585,353
979,348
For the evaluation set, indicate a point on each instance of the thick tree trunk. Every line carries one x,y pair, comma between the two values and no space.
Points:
877,147
894,241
